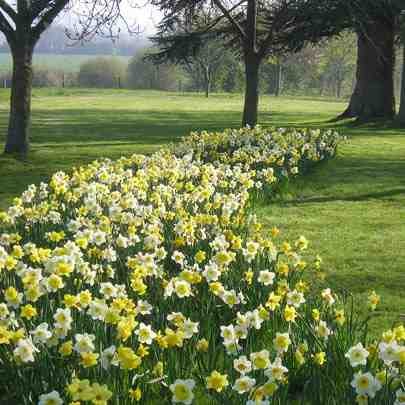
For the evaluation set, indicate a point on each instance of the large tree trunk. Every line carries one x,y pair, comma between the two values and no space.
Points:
17,141
373,96
250,111
401,115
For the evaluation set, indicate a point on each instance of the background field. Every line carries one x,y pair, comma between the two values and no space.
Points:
67,63
351,208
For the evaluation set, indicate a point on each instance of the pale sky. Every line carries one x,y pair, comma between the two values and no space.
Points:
143,14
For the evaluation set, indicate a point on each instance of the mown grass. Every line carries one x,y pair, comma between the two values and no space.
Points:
351,208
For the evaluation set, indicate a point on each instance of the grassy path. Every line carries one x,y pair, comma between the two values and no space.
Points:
352,208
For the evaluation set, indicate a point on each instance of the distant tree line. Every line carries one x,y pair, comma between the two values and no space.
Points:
325,69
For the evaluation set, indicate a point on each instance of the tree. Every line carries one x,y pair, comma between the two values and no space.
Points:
205,64
376,25
23,22
102,72
401,114
338,60
142,73
255,28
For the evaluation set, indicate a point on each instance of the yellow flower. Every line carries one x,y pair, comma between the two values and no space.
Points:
66,348
200,256
340,318
217,381
320,358
135,394
248,275
290,313
85,298
28,311
202,345
128,359
89,359
101,394
158,369
5,336
274,232
142,351
70,300
273,301
373,300
399,333
174,338
315,315
269,388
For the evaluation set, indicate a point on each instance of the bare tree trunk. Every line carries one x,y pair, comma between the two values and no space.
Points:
207,81
401,115
373,96
17,141
250,111
278,79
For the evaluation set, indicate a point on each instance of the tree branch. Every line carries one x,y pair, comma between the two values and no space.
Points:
230,18
6,28
47,19
8,9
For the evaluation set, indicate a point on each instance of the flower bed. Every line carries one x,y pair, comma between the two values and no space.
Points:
148,280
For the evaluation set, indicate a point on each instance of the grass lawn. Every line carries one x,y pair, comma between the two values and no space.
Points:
351,208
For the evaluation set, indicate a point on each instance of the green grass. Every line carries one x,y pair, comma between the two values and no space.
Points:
352,208
67,63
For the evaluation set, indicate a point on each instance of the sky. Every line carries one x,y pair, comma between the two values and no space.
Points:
142,14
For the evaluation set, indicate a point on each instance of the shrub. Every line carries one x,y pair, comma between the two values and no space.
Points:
143,74
102,72
148,279
45,77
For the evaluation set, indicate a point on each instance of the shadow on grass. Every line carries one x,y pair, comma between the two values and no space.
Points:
352,198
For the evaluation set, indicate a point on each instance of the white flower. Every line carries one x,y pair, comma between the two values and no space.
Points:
400,397
258,402
266,277
145,333
295,298
276,370
260,360
189,328
53,398
98,238
143,307
84,343
242,365
63,318
108,290
389,352
282,342
228,334
25,350
211,272
41,333
244,384
328,296
178,257
182,288
97,309
182,391
322,330
107,357
357,355
365,383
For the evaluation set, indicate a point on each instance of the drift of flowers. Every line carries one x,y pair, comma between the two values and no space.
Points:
149,280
